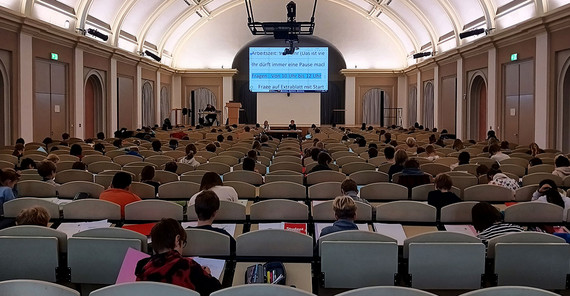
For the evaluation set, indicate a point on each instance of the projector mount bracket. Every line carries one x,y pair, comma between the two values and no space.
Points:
288,31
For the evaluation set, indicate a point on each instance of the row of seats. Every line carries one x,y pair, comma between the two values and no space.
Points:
32,287
434,260
280,209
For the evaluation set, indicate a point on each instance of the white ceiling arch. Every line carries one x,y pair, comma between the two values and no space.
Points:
405,26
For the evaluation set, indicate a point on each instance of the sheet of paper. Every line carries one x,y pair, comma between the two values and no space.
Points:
72,228
216,265
395,231
242,201
230,228
319,227
263,226
466,229
127,272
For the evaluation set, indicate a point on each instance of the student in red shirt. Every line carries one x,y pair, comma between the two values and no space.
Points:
119,191
167,264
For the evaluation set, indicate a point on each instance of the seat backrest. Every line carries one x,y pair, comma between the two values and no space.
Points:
274,243
288,177
126,159
406,211
509,291
421,192
287,158
244,176
534,212
386,290
463,182
434,168
439,237
323,211
535,178
325,176
287,166
33,188
13,207
470,168
541,168
516,169
205,242
193,176
178,190
153,210
99,166
35,287
143,190
283,190
325,190
522,237
225,159
459,212
260,290
164,177
73,175
353,167
69,189
91,209
279,209
341,161
37,231
244,190
216,167
96,260
488,192
368,177
384,191
19,253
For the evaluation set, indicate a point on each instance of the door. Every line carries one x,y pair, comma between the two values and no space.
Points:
373,107
477,109
50,107
519,102
448,104
125,104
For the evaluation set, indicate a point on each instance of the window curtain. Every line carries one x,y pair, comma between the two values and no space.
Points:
331,100
371,107
147,105
202,97
164,104
428,105
412,106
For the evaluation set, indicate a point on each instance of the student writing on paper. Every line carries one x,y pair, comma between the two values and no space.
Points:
33,216
167,264
488,222
212,181
345,213
207,206
349,188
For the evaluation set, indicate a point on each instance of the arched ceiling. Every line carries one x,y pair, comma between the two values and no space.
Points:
371,34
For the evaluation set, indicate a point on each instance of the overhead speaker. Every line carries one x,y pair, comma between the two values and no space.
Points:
98,34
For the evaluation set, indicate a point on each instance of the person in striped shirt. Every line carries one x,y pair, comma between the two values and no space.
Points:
488,222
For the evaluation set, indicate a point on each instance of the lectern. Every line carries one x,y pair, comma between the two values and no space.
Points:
233,112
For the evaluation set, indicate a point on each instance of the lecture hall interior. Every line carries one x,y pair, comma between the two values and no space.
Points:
272,76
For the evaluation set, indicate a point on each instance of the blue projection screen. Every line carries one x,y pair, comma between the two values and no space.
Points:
304,71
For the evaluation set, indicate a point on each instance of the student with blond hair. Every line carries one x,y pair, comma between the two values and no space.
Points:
33,216
344,209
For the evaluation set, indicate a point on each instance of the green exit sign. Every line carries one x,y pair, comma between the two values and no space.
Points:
54,56
514,56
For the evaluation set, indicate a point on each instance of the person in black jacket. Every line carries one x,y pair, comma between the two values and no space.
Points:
442,196
323,161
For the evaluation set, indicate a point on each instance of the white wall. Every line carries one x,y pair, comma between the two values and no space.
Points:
279,109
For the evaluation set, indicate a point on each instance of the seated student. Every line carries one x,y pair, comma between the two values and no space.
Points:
27,164
399,159
8,179
189,158
78,165
46,170
147,174
119,191
167,265
562,165
33,216
496,177
350,188
548,192
441,196
323,161
99,147
171,166
389,154
431,154
76,150
212,181
206,207
372,152
249,164
496,154
211,147
18,150
412,175
463,158
488,222
534,161
156,146
53,158
173,144
345,213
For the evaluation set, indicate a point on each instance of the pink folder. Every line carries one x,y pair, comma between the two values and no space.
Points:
127,272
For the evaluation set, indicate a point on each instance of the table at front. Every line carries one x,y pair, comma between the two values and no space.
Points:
281,132
298,275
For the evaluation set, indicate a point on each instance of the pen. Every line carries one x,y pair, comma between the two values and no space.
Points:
278,279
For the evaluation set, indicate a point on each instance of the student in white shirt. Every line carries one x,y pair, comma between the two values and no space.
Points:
212,181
